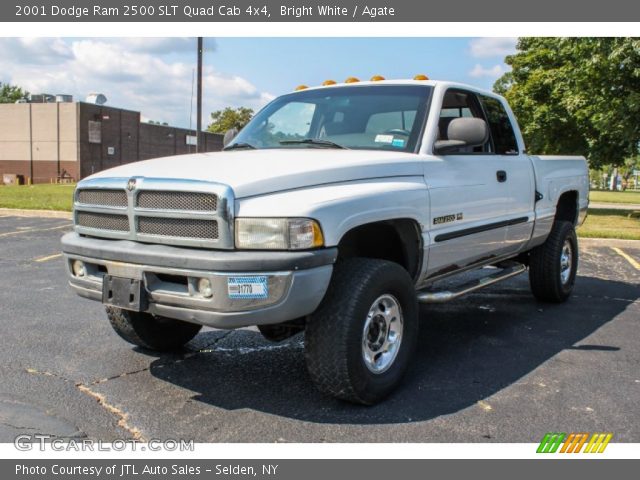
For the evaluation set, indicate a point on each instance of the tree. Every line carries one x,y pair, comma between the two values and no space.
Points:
11,93
577,95
223,120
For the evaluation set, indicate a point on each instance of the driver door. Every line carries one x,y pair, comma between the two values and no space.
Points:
468,196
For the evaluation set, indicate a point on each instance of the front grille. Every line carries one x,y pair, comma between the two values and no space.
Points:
105,198
167,200
193,214
103,221
178,227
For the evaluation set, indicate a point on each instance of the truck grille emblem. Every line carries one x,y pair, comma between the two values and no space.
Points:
131,184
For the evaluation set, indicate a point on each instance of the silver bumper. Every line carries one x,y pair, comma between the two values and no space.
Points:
296,281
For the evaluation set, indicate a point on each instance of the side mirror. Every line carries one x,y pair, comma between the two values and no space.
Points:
463,132
229,135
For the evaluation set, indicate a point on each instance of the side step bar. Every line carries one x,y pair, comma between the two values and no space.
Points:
443,296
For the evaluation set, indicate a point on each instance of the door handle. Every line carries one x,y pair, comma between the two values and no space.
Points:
501,176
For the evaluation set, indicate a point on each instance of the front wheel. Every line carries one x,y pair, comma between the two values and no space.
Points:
151,331
554,264
360,341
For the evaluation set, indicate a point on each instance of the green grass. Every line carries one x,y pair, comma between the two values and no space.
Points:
614,197
610,223
37,197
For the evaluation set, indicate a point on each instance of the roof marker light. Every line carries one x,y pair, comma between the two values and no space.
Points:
377,78
301,87
421,76
328,82
351,80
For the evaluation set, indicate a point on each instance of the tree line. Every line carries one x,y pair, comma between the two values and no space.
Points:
577,96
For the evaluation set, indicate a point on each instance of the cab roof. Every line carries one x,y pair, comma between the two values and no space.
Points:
432,83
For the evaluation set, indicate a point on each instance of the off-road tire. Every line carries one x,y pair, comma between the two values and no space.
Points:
334,333
544,265
150,331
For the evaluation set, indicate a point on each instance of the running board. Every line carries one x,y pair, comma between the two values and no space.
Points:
443,296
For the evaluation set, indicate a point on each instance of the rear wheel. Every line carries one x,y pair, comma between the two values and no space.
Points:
554,264
150,331
359,342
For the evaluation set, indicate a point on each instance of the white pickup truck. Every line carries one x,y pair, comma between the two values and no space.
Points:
336,211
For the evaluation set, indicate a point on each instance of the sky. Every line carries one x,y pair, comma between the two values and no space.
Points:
155,75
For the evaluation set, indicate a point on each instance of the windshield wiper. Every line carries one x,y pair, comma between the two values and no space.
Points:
313,141
240,145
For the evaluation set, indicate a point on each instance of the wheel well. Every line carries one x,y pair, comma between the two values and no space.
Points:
567,208
399,241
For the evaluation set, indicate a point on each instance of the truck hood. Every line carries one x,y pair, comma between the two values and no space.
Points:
256,172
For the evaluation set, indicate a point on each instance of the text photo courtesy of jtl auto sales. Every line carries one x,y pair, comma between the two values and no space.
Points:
310,239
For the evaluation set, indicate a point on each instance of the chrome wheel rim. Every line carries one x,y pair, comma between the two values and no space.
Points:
382,334
566,260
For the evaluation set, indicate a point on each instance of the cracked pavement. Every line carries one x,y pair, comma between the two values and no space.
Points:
492,366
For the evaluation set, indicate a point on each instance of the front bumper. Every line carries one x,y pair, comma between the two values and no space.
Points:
296,281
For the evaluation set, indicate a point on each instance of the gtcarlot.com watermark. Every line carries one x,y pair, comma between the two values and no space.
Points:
42,442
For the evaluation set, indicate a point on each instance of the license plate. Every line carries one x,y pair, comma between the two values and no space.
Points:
125,293
247,287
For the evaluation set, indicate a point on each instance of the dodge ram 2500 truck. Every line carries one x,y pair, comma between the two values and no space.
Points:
336,211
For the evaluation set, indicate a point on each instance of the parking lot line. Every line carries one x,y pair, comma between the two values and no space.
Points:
627,257
47,258
31,230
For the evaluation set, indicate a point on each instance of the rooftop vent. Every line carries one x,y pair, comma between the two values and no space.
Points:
96,99
41,98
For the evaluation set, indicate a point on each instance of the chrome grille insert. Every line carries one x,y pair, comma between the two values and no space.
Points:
103,197
103,221
170,200
178,227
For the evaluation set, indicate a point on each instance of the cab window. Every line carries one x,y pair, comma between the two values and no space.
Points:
292,121
371,117
502,134
456,104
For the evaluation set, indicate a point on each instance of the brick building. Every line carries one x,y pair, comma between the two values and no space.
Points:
47,141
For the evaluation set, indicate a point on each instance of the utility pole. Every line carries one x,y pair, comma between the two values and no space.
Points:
199,99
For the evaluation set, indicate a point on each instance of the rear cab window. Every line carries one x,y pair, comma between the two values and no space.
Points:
502,134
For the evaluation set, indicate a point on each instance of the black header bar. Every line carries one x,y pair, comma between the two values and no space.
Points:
319,11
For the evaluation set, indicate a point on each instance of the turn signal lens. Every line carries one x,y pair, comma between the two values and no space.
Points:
304,233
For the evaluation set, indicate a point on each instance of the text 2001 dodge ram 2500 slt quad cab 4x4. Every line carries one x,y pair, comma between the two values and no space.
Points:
336,210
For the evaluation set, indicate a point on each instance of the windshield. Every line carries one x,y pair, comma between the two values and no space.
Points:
384,117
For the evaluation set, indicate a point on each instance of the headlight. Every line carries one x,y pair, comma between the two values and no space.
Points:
278,233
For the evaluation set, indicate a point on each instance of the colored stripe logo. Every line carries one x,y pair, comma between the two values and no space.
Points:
573,442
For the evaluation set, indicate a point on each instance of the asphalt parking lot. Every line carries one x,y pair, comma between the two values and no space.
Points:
492,366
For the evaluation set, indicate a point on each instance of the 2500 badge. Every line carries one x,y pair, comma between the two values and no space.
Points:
447,218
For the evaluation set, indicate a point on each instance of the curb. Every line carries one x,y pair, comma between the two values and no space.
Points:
608,242
614,206
15,212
